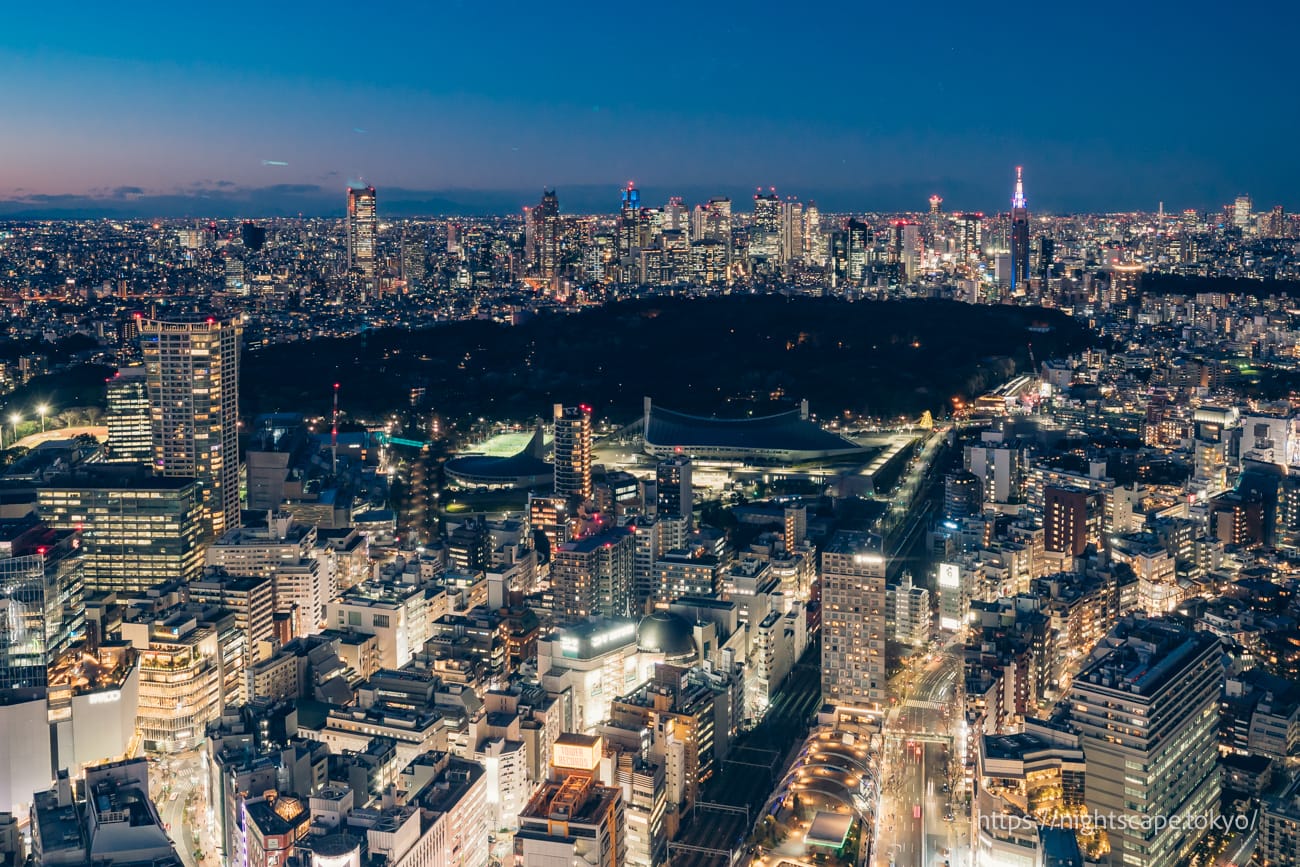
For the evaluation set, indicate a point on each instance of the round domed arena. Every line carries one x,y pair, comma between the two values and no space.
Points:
667,633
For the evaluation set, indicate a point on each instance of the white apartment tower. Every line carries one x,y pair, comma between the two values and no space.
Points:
853,620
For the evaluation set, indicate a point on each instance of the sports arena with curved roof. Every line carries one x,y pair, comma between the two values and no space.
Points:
788,437
526,469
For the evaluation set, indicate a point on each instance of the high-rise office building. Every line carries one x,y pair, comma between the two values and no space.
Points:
677,217
853,620
1046,258
712,222
130,434
629,221
414,256
673,494
765,228
363,229
573,451
1147,712
814,239
1275,223
137,530
42,611
792,243
252,236
192,373
1241,211
234,267
1019,235
857,242
971,233
546,234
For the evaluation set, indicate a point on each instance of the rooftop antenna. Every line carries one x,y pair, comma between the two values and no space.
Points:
334,434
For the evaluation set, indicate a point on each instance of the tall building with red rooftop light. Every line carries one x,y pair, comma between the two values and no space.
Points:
192,377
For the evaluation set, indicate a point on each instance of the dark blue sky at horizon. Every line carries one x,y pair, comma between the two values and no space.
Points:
165,109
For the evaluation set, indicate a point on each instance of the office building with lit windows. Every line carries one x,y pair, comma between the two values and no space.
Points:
853,620
42,611
1147,712
126,414
138,530
192,372
363,227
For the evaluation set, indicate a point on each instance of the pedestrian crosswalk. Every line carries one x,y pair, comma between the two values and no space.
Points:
928,705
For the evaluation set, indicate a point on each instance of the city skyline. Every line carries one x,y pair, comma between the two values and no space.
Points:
521,435
211,117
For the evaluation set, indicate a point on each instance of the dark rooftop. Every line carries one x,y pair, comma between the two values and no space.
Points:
787,431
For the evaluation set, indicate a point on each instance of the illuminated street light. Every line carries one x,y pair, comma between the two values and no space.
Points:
14,419
41,411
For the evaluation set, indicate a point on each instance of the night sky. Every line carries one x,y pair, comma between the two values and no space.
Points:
175,108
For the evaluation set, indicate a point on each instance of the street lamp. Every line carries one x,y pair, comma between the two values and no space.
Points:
14,418
42,410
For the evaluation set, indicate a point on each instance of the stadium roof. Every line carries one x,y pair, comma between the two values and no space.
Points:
518,470
784,432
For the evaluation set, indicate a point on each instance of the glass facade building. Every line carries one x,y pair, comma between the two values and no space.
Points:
138,530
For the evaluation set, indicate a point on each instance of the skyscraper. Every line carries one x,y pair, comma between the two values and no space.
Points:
677,217
252,236
1046,256
765,229
573,451
1241,211
414,256
792,243
192,376
1019,236
130,439
546,234
629,221
971,230
858,239
362,229
43,609
853,620
814,239
1147,712
712,222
